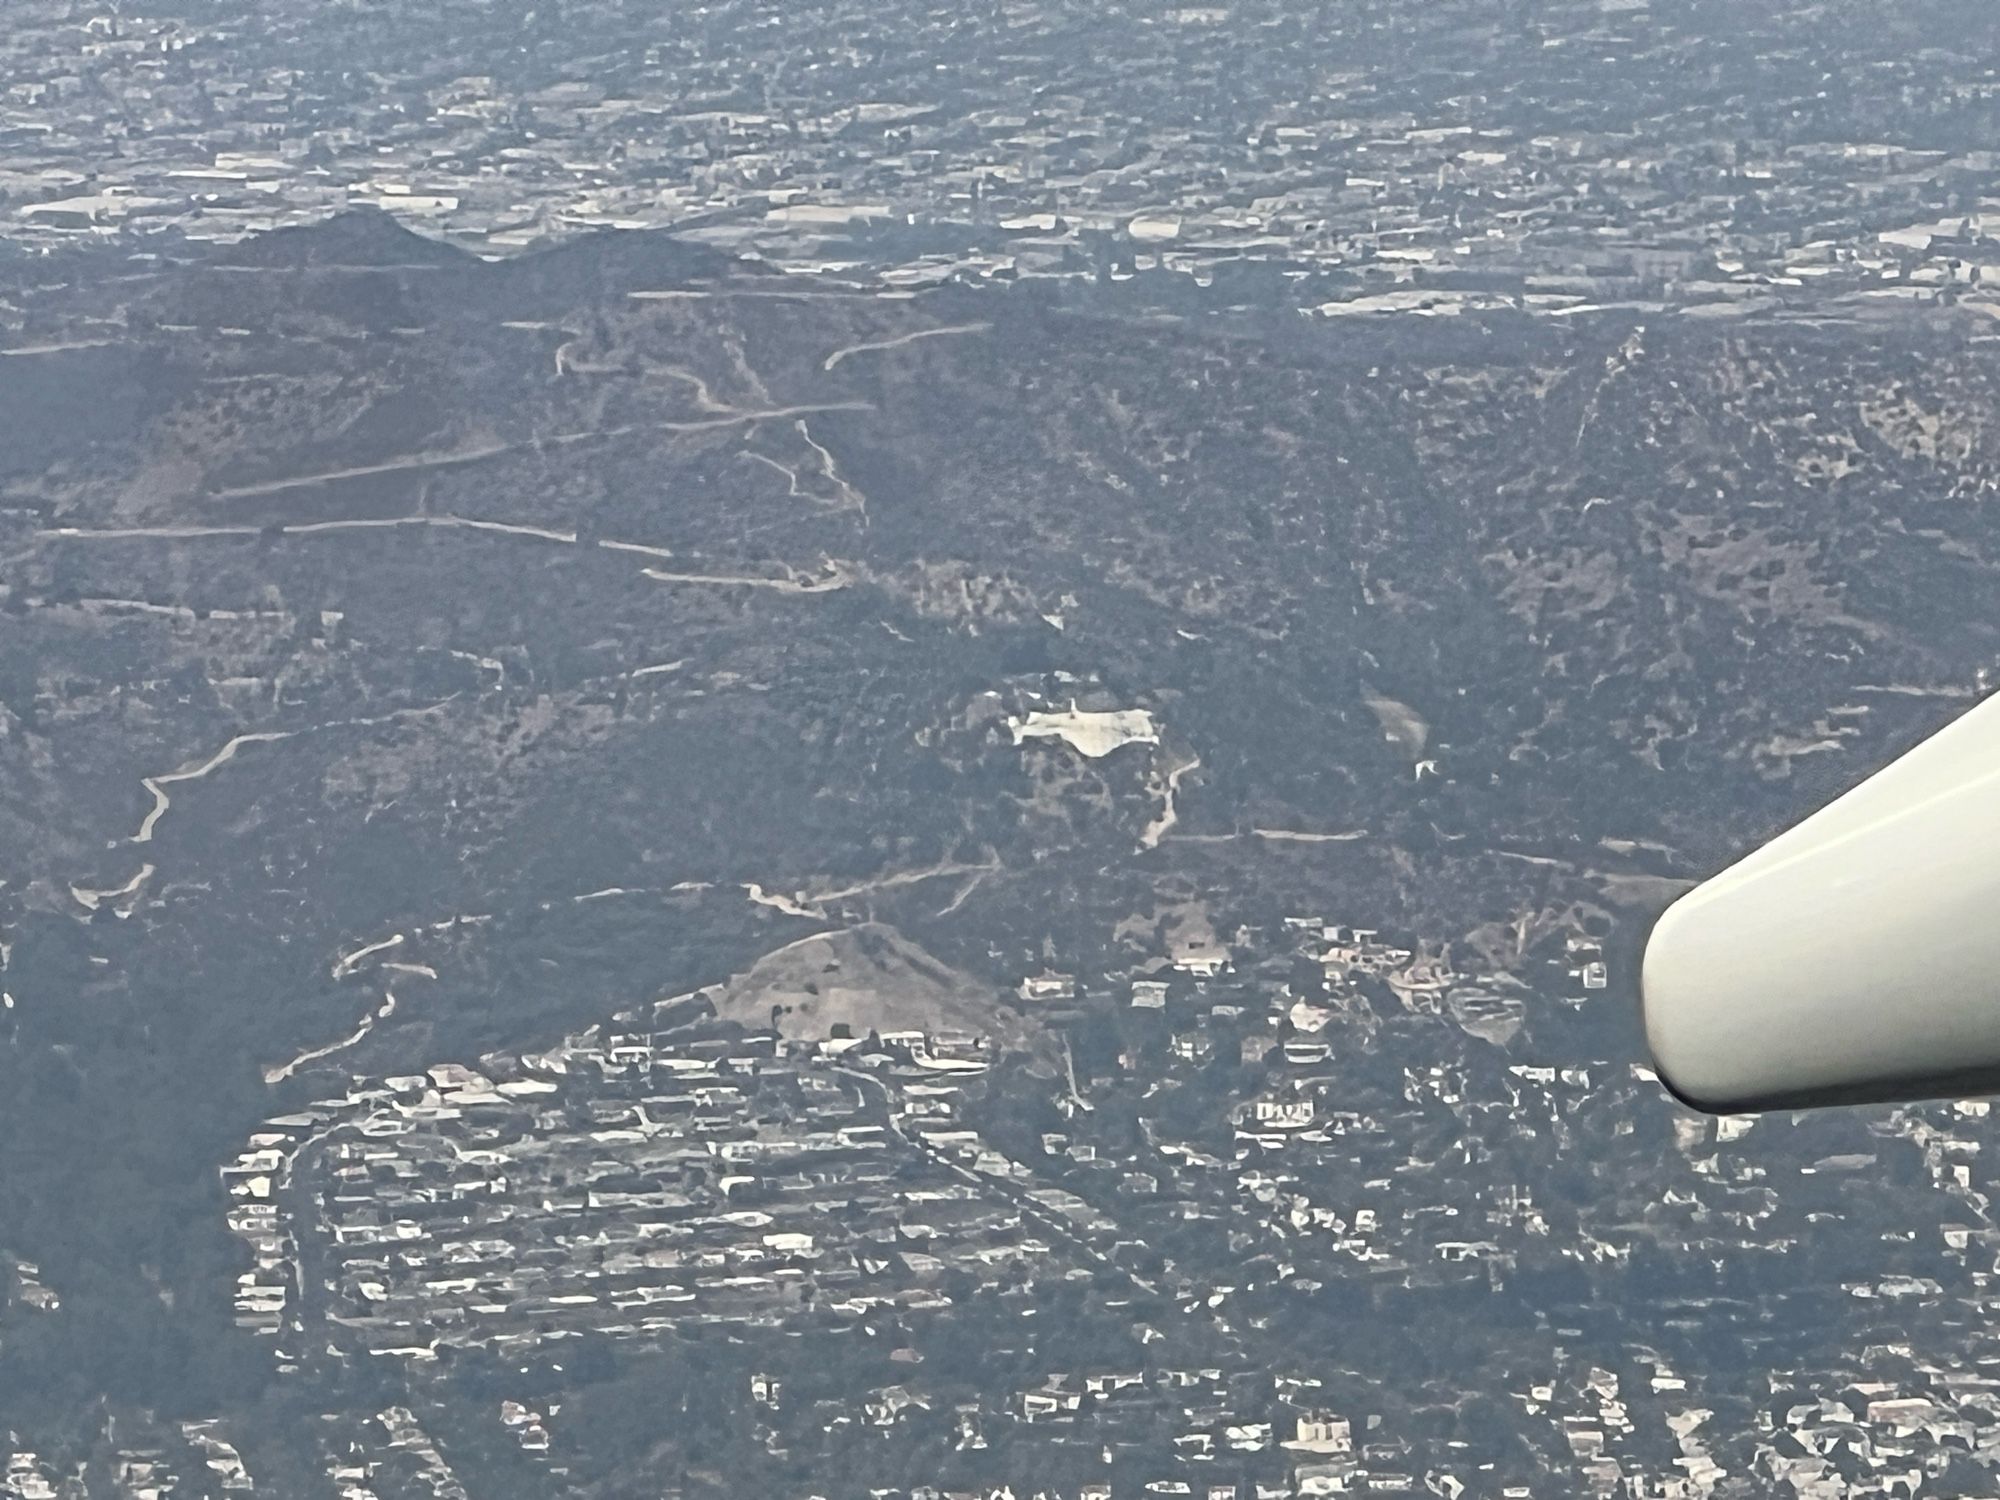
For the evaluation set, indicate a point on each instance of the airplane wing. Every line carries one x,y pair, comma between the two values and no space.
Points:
1855,957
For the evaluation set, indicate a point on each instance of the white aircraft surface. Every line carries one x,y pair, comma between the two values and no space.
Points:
1855,957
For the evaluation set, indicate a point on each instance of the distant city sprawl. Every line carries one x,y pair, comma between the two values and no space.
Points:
1547,155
